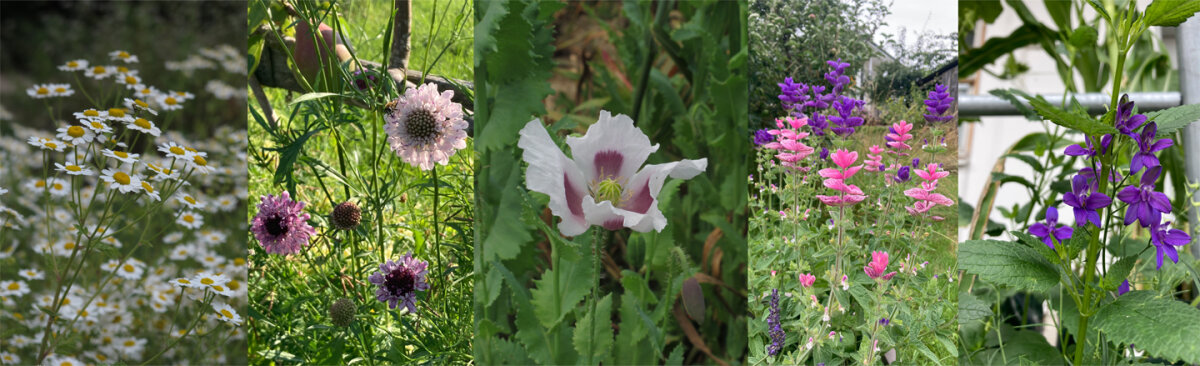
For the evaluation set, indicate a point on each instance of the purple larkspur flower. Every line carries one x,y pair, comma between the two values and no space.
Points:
884,321
1050,228
1165,239
819,100
938,104
762,137
916,162
399,282
776,332
1091,150
1123,288
1085,202
1145,205
1090,174
281,225
1126,121
1147,146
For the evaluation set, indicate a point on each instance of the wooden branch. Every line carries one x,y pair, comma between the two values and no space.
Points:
401,35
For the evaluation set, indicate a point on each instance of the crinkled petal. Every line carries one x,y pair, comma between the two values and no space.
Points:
550,172
612,146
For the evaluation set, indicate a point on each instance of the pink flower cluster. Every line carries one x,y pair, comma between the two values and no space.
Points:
875,159
836,180
807,280
878,265
898,134
788,141
926,198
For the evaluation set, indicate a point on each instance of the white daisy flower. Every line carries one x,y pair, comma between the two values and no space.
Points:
226,313
206,278
132,81
9,359
149,190
73,169
13,288
32,274
97,126
121,180
123,56
131,347
131,270
99,72
120,115
147,93
39,91
189,201
184,283
145,126
47,144
57,360
75,135
90,114
138,104
190,220
124,157
74,65
199,164
180,252
162,173
182,96
175,151
61,90
168,102
173,237
222,290
58,187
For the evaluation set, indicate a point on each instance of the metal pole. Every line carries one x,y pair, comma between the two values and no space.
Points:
1189,86
1096,103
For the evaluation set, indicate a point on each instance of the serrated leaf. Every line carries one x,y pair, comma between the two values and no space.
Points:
560,289
636,286
1162,327
1170,13
1007,263
1084,36
1171,119
289,154
1072,120
515,105
1117,273
972,309
594,332
507,234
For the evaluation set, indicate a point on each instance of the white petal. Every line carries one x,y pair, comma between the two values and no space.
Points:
550,172
645,186
614,142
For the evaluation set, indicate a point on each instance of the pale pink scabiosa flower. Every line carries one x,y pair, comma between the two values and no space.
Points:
807,280
281,225
899,134
875,269
399,282
836,180
875,159
602,184
426,127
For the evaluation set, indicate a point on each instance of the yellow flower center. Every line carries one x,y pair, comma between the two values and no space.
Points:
239,261
97,125
225,313
91,113
129,343
123,54
72,64
148,187
207,281
116,112
14,286
199,160
58,186
140,103
218,288
40,184
189,199
51,145
69,245
75,131
234,285
185,281
43,91
60,90
129,268
83,313
121,154
122,69
171,101
189,219
98,70
176,150
74,168
142,122
121,177
131,80
146,91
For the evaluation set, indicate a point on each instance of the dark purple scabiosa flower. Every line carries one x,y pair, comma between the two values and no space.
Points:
1147,146
1091,150
364,80
902,175
1145,205
281,225
762,137
824,153
776,332
1085,202
1123,289
938,105
1165,239
1126,121
844,120
1051,229
399,282
818,123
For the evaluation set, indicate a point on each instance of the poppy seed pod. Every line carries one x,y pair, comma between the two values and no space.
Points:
346,216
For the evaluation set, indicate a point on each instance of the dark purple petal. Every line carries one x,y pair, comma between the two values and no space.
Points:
1129,194
1039,230
1076,150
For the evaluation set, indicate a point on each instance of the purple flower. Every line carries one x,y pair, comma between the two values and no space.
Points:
1124,287
1085,202
938,104
1090,150
1145,205
762,137
837,77
819,101
824,153
364,80
776,332
1090,175
399,282
902,175
916,162
884,321
818,123
1126,123
1147,146
1165,239
792,93
1050,228
281,225
845,121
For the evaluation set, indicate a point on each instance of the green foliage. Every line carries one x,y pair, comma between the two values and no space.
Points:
1162,326
543,298
1006,263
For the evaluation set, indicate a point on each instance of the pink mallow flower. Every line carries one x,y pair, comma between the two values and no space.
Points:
875,159
807,280
835,179
900,134
875,269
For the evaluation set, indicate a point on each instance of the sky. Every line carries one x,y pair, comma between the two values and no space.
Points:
939,16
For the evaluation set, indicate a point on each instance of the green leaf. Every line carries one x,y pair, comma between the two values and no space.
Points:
1084,36
1117,273
1010,95
594,332
1072,120
1060,11
636,286
310,96
1032,161
507,234
288,155
971,309
976,58
1171,119
1162,327
1170,13
560,289
1007,263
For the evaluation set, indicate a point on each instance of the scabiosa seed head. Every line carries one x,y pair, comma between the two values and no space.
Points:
399,282
346,216
341,313
281,225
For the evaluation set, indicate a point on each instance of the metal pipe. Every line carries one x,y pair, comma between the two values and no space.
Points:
1096,103
1188,57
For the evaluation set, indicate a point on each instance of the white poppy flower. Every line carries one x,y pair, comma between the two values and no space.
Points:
601,184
